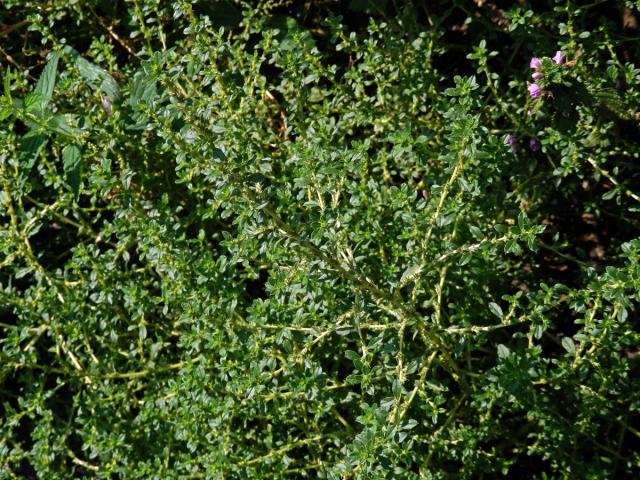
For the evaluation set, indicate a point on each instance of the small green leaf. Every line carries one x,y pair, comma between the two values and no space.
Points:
569,345
410,274
23,272
496,310
503,351
622,315
522,219
142,332
355,358
476,232
444,220
410,424
464,259
353,379
511,246
396,388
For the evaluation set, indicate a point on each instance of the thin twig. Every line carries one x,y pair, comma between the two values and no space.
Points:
10,28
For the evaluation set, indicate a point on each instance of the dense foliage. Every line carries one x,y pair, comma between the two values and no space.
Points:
290,239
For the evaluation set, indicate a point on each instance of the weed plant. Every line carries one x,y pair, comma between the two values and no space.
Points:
295,239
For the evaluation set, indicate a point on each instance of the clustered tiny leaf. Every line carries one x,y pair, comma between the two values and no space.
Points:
335,240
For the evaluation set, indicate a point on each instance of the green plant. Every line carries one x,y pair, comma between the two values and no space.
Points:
245,241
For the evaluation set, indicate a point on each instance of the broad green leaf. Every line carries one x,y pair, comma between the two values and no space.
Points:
64,125
47,80
33,102
30,147
6,108
72,162
143,88
97,77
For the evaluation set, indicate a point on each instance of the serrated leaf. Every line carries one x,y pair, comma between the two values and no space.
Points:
30,147
72,163
63,124
143,88
47,80
33,102
97,77
6,108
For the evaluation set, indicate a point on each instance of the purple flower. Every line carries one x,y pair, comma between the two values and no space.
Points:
558,58
535,63
534,145
534,90
537,75
512,141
